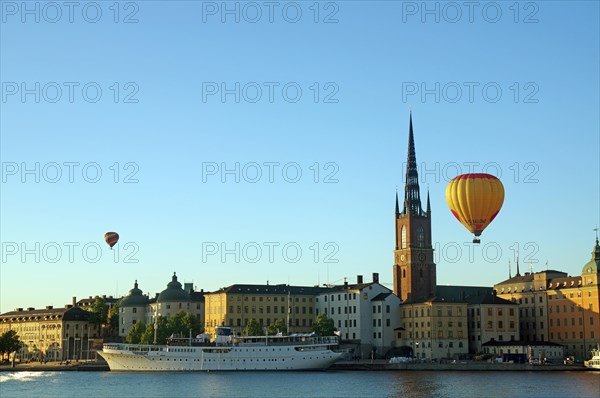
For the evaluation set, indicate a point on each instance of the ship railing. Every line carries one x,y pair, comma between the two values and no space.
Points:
132,347
286,340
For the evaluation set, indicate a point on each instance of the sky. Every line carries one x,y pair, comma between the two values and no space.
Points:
246,142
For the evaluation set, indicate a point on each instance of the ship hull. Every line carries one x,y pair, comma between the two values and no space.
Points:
253,358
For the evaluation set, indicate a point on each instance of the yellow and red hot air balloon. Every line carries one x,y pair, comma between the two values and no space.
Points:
475,200
111,238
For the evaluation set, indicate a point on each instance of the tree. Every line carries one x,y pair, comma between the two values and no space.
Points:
324,326
162,334
182,322
99,312
278,327
135,334
9,342
253,329
113,317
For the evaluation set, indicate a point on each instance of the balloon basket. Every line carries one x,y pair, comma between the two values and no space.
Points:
476,240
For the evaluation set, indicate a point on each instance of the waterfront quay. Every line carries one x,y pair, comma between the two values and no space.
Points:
360,365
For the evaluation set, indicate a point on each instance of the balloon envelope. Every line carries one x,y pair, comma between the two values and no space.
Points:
475,200
111,238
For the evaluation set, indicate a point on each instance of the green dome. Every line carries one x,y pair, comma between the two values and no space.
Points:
173,292
593,265
135,298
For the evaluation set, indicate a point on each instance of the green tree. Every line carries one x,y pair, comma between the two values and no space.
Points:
99,312
9,342
324,326
253,329
162,334
277,327
135,334
113,317
181,323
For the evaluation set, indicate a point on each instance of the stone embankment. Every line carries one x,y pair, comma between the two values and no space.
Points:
458,366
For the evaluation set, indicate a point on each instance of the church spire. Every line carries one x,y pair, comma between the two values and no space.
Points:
428,203
518,273
412,198
397,205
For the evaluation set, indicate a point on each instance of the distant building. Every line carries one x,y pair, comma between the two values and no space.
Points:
138,307
491,318
132,309
530,351
237,304
558,308
176,298
365,314
434,328
55,334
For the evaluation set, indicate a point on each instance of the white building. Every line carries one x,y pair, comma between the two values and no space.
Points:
132,310
365,315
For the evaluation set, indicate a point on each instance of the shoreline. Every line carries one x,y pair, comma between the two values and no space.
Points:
364,365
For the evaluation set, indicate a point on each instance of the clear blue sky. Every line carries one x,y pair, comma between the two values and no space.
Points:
170,125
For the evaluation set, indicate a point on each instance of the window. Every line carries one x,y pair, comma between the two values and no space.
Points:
420,236
135,310
387,309
403,237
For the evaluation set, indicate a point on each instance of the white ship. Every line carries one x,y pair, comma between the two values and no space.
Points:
594,363
228,352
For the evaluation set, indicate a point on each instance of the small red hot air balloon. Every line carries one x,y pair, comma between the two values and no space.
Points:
111,238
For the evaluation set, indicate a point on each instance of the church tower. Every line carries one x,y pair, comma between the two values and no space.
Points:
414,270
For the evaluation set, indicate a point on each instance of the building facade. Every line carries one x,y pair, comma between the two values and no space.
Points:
176,297
236,305
491,318
54,334
530,351
433,329
365,315
133,309
559,308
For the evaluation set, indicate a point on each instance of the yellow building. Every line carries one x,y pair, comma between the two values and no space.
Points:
237,304
433,329
55,334
491,318
558,308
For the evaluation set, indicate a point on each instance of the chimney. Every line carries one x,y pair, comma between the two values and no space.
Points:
376,277
30,308
19,309
49,307
68,306
74,301
359,279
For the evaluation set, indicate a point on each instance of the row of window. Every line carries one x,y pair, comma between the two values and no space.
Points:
565,335
238,322
264,298
347,296
422,311
440,334
566,323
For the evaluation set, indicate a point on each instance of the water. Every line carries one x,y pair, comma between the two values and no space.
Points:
365,384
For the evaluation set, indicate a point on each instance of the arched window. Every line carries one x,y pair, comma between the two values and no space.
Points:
404,273
403,237
420,237
421,272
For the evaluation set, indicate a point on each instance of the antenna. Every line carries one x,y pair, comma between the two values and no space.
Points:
596,229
